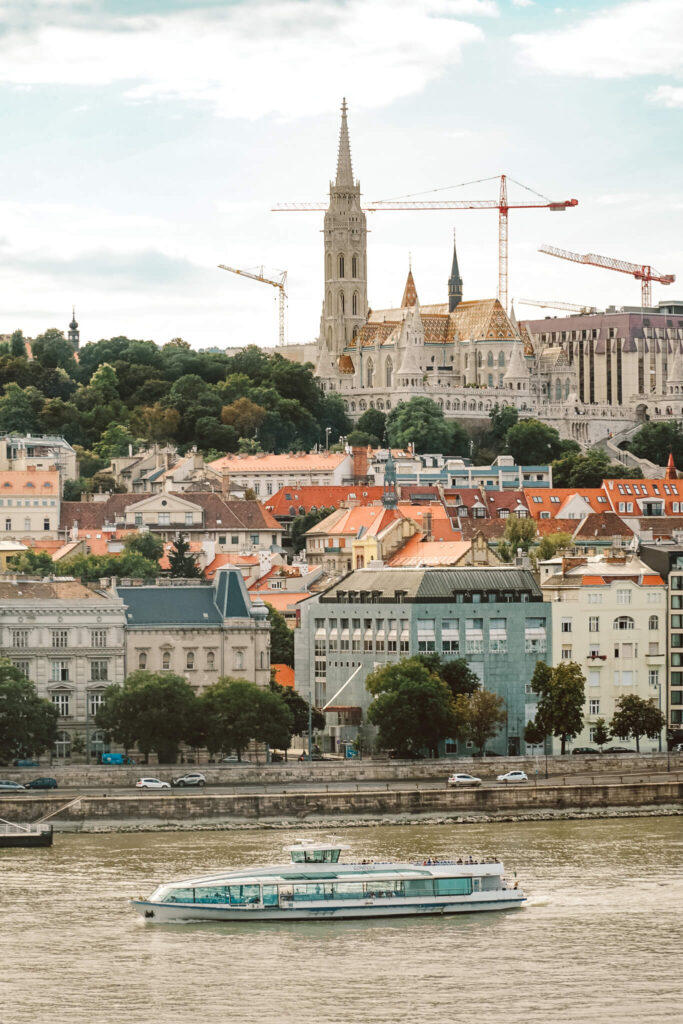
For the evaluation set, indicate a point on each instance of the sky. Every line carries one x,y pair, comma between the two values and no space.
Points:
146,141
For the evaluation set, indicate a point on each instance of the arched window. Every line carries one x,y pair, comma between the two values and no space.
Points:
166,660
354,333
558,390
62,746
389,372
354,304
142,660
341,266
210,660
370,373
653,622
354,266
501,359
480,359
341,302
566,388
329,266
238,659
490,380
624,622
189,660
489,359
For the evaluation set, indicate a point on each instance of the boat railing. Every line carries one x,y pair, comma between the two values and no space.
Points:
10,828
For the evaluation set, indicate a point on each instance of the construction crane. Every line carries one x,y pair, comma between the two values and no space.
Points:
501,204
280,283
569,307
643,273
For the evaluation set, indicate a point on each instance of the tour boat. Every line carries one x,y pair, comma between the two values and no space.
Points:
316,885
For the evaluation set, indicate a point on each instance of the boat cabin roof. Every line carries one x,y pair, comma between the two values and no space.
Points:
305,844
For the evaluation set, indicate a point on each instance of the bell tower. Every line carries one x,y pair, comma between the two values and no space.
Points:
345,305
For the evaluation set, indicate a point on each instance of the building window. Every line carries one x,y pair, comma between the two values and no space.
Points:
59,637
653,677
234,539
142,660
450,636
566,654
624,621
189,661
98,638
426,636
593,677
210,660
166,660
238,659
566,625
8,524
404,638
23,667
62,747
254,538
59,671
474,636
653,622
594,706
61,702
498,640
20,637
99,671
594,624
164,519
138,518
623,596
188,519
535,640
46,524
95,702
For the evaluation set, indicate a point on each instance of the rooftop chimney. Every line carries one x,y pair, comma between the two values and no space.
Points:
360,462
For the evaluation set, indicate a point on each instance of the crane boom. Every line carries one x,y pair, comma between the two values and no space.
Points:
280,284
570,307
501,204
642,272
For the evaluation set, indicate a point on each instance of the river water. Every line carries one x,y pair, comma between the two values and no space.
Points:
600,940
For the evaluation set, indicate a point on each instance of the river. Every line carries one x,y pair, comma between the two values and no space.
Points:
598,942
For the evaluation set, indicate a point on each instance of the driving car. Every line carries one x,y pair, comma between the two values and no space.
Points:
585,750
312,757
42,783
149,783
190,779
9,785
513,777
233,759
618,750
462,779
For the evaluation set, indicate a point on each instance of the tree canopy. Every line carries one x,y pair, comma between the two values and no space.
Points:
656,441
422,422
153,711
635,717
561,691
281,639
589,469
28,723
412,707
237,711
482,713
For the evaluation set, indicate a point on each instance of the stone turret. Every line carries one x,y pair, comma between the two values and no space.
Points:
412,344
517,374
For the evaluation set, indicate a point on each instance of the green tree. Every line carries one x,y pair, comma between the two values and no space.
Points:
656,441
154,711
90,568
634,716
302,523
551,544
146,544
181,562
422,422
532,443
412,707
502,418
20,409
114,441
601,734
589,470
32,563
244,415
482,714
519,534
534,734
281,639
28,723
562,693
51,349
457,674
298,707
333,415
373,422
155,422
17,345
238,711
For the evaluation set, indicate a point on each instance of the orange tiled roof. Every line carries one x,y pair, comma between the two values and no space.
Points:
418,551
652,581
29,481
348,521
287,498
281,600
284,675
268,463
592,581
229,558
442,529
539,499
670,492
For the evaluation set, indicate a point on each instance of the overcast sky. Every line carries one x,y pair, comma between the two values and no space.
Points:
145,141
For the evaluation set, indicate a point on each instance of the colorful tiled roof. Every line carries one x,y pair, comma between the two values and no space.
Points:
287,498
284,675
287,463
554,500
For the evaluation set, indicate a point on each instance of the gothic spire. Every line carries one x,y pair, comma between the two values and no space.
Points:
454,282
344,168
409,292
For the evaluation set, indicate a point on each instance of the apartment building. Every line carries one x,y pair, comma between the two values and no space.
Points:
265,474
29,503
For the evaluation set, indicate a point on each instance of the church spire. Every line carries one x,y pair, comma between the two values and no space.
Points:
74,333
409,292
454,282
344,168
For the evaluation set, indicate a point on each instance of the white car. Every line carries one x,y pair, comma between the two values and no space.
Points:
463,779
152,784
513,777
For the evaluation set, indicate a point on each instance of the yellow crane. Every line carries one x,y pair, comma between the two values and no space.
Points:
569,307
280,284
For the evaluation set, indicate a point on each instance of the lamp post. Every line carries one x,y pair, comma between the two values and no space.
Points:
310,724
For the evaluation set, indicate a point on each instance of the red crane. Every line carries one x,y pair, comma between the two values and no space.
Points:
643,273
501,204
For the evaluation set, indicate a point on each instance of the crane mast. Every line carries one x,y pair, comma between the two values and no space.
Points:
642,272
280,284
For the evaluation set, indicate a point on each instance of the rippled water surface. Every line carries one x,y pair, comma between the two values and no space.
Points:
600,940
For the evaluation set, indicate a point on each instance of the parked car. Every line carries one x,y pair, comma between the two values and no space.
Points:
7,784
26,762
190,779
513,777
42,783
618,750
585,750
406,755
148,783
312,757
462,779
233,759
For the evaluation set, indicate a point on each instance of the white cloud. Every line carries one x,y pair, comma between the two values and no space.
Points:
283,58
669,95
522,3
640,38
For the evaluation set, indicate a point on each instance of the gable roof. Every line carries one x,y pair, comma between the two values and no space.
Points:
308,462
287,498
602,526
552,500
218,512
418,551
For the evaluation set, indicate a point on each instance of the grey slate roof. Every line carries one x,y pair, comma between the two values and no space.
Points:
433,584
170,606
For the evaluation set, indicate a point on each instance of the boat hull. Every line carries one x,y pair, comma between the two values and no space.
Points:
165,912
26,839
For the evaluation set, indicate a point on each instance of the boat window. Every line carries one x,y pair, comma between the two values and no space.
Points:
384,889
349,890
179,896
317,891
242,894
452,886
211,894
315,856
269,895
419,886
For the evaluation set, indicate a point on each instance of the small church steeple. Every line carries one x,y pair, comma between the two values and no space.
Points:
344,167
454,282
389,492
410,291
74,333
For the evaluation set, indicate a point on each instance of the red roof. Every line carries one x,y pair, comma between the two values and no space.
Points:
289,501
552,500
284,675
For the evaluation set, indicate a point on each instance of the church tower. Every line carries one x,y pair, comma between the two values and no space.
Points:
454,282
74,333
345,306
